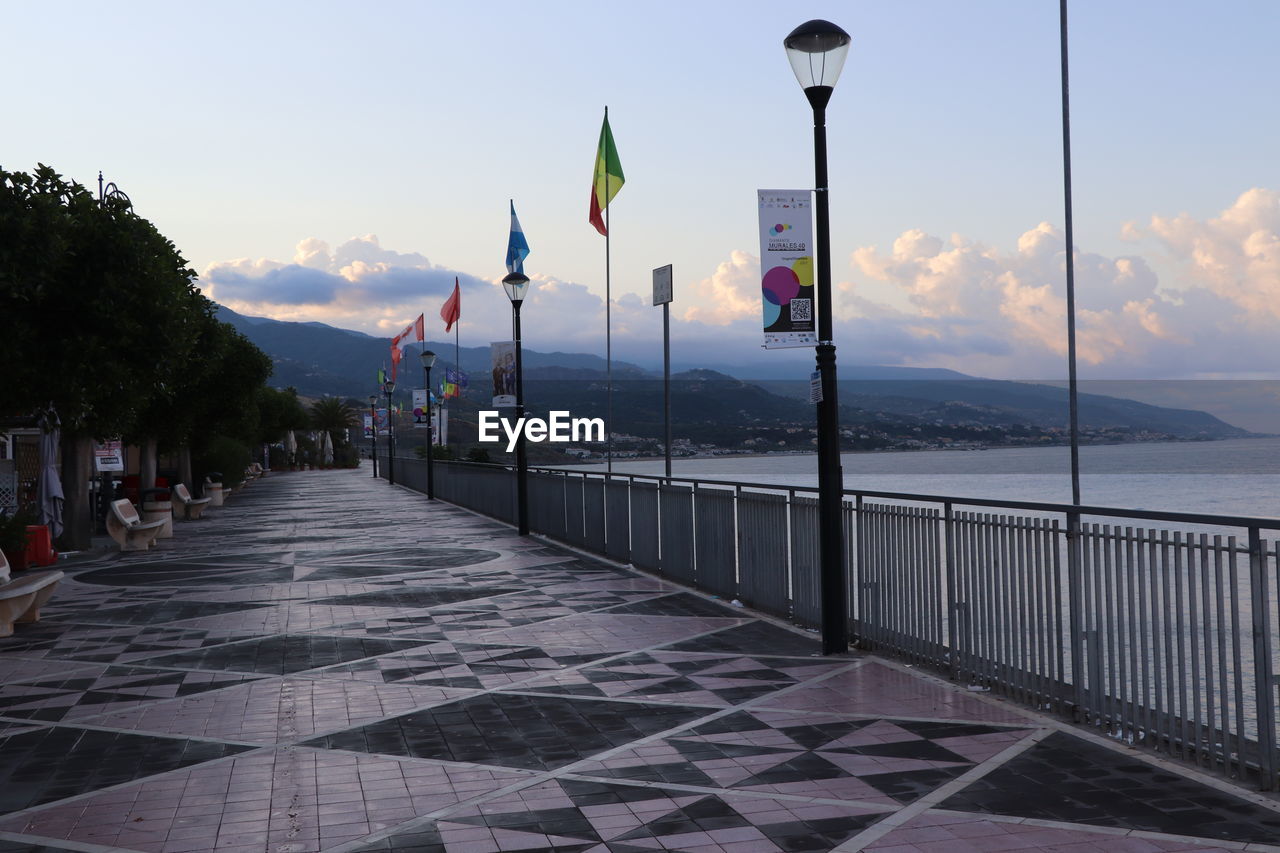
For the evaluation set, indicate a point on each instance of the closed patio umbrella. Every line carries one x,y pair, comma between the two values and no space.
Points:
49,496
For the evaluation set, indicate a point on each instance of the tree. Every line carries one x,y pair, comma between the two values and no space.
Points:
334,416
102,320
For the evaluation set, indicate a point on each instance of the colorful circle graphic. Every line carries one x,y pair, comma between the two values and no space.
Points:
780,284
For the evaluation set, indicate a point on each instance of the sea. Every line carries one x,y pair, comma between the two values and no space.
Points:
1232,477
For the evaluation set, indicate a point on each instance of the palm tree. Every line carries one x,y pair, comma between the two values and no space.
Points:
332,415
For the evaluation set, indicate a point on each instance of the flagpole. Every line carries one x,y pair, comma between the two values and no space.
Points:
608,324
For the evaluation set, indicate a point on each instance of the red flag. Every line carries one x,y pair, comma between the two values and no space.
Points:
421,328
452,309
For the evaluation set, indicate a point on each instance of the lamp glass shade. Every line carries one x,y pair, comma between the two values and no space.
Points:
817,50
516,285
428,359
389,387
373,399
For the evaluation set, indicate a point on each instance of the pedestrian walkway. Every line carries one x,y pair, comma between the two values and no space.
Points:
331,663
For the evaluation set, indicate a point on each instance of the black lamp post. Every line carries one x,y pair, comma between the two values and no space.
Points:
373,432
817,50
428,359
517,284
388,388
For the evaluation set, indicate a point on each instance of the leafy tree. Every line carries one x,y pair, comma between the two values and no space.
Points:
334,416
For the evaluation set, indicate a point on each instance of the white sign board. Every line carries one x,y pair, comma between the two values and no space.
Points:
662,285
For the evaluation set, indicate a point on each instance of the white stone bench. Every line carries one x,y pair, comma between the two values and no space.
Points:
22,597
254,471
131,532
214,491
191,508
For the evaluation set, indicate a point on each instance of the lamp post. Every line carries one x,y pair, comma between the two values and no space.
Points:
428,359
517,284
817,50
388,388
373,432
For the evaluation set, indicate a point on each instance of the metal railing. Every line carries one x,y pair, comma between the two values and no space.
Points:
1161,636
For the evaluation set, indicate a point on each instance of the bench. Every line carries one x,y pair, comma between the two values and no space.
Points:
254,471
22,597
213,488
128,529
190,507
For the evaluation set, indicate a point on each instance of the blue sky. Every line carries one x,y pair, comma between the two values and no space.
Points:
263,138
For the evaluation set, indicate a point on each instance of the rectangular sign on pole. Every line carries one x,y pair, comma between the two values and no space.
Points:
420,408
662,285
383,420
786,268
503,355
368,426
108,456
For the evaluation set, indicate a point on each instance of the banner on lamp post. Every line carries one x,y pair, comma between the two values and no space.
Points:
503,355
440,426
420,408
368,426
786,268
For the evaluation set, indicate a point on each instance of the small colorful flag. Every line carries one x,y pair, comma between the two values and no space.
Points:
607,179
517,246
382,376
452,309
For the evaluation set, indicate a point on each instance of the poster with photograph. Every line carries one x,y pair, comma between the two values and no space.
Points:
503,354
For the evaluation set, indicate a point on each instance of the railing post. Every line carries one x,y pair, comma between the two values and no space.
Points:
1075,613
1263,666
952,608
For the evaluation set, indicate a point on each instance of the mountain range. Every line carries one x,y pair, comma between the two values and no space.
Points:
319,360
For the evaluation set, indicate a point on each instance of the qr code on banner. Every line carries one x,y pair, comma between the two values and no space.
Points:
801,309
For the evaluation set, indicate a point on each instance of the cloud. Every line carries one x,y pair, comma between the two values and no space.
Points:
731,293
1236,255
360,283
925,301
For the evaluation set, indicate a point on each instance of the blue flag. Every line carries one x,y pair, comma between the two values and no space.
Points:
517,246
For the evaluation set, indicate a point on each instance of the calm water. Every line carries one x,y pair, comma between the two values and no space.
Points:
1236,477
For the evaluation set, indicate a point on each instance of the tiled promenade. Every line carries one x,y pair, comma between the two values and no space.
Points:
330,663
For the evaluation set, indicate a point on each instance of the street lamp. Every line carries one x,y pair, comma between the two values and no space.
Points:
388,388
428,359
373,432
517,284
817,50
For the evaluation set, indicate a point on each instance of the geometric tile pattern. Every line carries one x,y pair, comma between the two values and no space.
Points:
512,730
279,800
949,831
277,710
1064,778
86,693
876,689
467,665
328,663
571,814
50,764
283,653
689,678
870,761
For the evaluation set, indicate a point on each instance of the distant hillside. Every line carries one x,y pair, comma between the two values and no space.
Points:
318,359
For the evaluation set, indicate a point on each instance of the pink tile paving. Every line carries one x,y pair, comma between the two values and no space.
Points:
278,710
607,632
879,690
288,799
949,832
